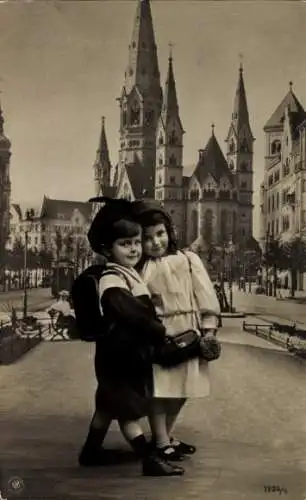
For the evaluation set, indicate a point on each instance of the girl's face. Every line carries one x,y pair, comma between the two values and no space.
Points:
127,251
155,241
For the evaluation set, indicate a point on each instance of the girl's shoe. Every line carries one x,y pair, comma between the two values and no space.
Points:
154,465
183,448
170,453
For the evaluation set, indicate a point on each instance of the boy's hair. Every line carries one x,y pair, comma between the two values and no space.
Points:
123,228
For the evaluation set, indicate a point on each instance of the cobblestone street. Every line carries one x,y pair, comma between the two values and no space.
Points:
250,432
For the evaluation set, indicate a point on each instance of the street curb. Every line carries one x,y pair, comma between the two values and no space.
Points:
233,315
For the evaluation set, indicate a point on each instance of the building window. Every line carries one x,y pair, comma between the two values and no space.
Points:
208,226
231,165
286,168
304,185
194,194
286,223
303,217
277,200
276,227
243,185
276,147
244,167
161,140
172,179
160,179
232,146
276,176
273,206
172,138
270,180
223,228
269,205
194,225
172,160
284,196
160,160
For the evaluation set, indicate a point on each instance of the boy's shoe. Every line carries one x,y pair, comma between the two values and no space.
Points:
156,466
184,448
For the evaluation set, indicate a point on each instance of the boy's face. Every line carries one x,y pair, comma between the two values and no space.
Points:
127,251
155,241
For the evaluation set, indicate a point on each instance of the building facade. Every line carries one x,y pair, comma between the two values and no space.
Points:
283,191
211,199
5,187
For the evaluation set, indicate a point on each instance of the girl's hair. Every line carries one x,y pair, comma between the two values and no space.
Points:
153,218
123,228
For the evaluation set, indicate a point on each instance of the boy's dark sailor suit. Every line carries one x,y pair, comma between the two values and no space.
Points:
125,352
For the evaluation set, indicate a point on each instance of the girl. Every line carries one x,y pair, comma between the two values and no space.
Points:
185,299
122,361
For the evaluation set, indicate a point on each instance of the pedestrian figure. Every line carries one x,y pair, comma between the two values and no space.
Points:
185,299
123,363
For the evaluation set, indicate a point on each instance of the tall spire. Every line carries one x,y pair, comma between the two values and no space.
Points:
170,108
1,120
102,165
102,151
240,115
142,67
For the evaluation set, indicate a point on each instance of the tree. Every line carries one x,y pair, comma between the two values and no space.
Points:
69,246
294,253
274,256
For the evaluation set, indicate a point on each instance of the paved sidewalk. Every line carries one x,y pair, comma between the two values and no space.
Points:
250,432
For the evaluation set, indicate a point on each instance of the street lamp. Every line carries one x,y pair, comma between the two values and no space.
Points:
231,249
29,218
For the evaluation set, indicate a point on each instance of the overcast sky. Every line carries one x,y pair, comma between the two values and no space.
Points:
62,66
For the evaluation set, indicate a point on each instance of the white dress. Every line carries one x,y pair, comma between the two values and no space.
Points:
185,299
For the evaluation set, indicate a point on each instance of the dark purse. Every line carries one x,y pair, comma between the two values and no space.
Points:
178,349
210,348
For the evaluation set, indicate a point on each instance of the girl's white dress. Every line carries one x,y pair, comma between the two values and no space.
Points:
185,299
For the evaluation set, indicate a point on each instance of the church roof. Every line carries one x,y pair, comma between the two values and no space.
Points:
170,106
297,112
141,179
240,115
213,162
63,209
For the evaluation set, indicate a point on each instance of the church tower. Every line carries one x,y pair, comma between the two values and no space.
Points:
141,96
5,187
169,155
240,159
102,165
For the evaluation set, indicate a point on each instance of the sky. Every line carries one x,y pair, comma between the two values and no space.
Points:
62,67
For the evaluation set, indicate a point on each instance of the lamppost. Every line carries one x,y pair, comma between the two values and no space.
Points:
29,218
231,249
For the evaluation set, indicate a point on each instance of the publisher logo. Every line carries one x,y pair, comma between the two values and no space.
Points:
15,484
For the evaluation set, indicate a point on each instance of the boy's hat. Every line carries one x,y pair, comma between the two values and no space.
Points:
100,231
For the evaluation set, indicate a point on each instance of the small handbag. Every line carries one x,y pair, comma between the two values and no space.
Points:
178,349
210,348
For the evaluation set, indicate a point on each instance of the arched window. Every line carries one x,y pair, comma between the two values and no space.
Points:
161,140
160,160
135,113
276,147
232,146
234,225
194,225
172,138
208,226
244,145
223,225
231,165
172,160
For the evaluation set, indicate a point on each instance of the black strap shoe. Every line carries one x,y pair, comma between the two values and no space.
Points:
154,465
170,453
183,448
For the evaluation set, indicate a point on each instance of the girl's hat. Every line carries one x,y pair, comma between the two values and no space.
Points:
101,230
64,293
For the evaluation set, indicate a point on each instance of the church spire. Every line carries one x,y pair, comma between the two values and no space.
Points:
170,105
142,69
240,115
102,151
102,164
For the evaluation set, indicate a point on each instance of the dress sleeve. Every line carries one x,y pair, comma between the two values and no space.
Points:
120,303
204,292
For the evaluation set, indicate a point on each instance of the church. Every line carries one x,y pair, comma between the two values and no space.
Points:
212,200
